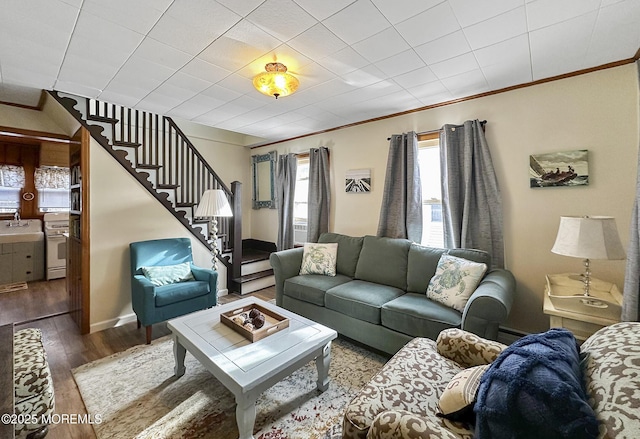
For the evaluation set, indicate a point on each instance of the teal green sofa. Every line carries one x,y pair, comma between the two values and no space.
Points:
378,296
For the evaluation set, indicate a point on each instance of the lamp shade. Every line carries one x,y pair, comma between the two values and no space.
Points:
213,203
276,81
594,237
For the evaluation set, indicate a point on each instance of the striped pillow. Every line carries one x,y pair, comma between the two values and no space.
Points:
458,398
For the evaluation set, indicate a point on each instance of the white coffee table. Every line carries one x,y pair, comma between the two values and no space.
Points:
248,369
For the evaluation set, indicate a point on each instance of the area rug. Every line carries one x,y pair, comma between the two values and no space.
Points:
9,288
137,396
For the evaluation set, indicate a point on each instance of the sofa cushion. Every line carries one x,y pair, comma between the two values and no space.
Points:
455,281
470,254
312,287
457,400
168,274
349,248
416,315
174,293
384,261
534,389
319,259
422,263
361,300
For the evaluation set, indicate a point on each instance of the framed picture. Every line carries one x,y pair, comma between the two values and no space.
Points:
358,181
564,168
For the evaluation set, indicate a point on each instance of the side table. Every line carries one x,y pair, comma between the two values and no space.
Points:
582,325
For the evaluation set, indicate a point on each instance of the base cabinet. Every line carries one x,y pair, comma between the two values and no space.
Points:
21,262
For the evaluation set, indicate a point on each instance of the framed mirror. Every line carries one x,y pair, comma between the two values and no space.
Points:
264,171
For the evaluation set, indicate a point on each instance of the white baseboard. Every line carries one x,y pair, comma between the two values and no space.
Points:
223,292
112,323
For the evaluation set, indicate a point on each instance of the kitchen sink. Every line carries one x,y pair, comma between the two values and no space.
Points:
21,231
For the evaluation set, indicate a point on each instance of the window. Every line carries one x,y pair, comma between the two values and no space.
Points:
429,161
300,201
12,181
52,184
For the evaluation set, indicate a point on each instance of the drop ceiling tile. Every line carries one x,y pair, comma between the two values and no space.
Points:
291,58
323,9
213,117
325,90
504,75
317,42
88,71
512,51
157,103
466,84
243,7
496,29
139,16
607,46
356,22
396,11
444,48
542,13
549,58
189,84
472,12
218,92
455,66
124,99
381,45
191,25
206,71
345,61
77,89
196,106
415,78
162,54
401,63
283,19
312,75
238,84
238,47
364,77
430,93
429,25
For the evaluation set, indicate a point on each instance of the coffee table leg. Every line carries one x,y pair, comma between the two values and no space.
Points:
179,353
322,364
245,415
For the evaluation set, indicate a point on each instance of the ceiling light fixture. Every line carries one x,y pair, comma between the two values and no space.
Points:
276,81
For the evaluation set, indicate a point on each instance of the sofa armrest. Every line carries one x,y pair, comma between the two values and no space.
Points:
285,264
400,424
490,304
467,349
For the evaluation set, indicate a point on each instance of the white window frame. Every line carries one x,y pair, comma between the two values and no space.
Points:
432,230
300,201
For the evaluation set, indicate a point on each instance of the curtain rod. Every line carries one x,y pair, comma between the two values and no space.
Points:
482,123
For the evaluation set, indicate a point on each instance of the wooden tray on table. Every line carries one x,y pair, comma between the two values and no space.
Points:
273,322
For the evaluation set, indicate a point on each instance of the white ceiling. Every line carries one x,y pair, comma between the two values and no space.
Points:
355,59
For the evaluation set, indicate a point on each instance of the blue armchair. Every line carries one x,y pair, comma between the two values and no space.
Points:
156,300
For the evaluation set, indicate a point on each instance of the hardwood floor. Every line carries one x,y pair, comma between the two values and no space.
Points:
67,349
42,298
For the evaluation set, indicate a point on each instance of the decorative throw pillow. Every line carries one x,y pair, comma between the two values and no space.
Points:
168,274
456,402
455,280
319,259
534,389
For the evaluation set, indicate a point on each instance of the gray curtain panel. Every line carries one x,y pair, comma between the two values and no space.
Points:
285,189
401,211
319,193
471,201
631,294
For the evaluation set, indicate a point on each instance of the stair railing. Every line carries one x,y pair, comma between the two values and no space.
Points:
157,148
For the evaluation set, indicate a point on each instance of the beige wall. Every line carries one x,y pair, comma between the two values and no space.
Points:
596,111
23,118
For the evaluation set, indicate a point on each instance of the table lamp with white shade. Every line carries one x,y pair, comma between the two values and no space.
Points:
588,237
214,204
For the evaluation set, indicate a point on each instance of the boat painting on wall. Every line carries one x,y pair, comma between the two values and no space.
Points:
564,168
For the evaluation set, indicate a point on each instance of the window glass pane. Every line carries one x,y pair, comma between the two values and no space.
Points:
9,199
429,160
53,200
300,204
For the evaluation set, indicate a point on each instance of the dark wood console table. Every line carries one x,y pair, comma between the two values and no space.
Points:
6,379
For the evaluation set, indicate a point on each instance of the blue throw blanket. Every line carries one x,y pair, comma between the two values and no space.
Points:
534,389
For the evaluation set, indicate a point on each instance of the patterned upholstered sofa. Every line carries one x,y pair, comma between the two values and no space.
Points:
34,397
401,401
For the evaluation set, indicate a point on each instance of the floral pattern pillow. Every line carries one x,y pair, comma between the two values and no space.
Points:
160,275
455,280
319,259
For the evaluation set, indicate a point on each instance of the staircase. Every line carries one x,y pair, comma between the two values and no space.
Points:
159,155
